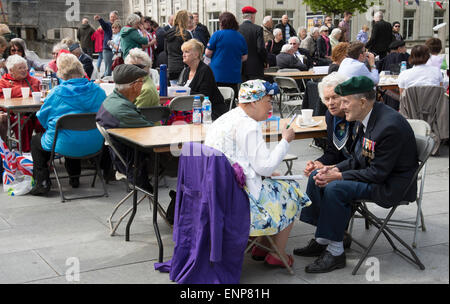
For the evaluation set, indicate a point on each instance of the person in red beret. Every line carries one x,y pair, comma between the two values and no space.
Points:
253,68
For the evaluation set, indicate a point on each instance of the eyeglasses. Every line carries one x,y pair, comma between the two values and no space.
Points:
396,25
293,43
14,51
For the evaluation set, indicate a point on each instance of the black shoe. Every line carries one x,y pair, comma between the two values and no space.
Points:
41,188
347,240
313,249
74,182
326,263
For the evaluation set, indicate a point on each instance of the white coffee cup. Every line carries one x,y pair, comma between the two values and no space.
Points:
307,116
7,93
25,92
37,96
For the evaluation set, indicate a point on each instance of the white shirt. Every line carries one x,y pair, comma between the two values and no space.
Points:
299,56
351,67
239,137
420,75
436,60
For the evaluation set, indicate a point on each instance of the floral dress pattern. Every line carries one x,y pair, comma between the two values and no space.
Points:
279,203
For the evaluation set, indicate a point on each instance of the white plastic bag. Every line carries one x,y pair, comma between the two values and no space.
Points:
22,185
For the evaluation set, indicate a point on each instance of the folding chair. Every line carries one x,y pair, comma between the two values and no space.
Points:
228,95
77,122
253,241
153,114
183,103
290,92
425,146
289,160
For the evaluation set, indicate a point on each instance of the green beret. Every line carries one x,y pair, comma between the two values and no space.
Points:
355,85
127,73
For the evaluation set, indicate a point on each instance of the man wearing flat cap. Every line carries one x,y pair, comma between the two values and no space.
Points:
253,68
119,111
382,164
85,60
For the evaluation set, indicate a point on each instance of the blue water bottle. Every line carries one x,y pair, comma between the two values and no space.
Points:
163,80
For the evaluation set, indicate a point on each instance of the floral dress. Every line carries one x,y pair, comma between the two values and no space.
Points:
279,203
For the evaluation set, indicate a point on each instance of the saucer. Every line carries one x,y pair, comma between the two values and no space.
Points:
301,124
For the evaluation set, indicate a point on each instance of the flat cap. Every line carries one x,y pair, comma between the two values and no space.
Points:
249,10
74,46
355,85
127,73
396,44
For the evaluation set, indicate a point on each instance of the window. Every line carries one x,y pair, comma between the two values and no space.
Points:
438,17
277,14
57,34
135,3
148,2
408,24
313,19
213,22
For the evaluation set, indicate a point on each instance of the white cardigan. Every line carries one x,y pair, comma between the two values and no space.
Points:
240,138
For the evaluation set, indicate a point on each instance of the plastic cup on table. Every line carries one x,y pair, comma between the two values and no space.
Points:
307,116
37,96
25,92
7,93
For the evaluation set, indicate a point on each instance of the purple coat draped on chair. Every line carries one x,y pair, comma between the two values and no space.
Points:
212,220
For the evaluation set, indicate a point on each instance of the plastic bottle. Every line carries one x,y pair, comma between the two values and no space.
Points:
32,72
403,66
206,109
163,80
197,111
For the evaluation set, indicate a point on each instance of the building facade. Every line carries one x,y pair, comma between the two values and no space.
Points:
416,21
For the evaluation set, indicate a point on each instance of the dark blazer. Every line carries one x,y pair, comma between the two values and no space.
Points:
282,27
253,68
86,61
332,155
380,38
395,159
288,61
204,83
322,47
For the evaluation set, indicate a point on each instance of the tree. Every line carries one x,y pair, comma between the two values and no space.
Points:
337,7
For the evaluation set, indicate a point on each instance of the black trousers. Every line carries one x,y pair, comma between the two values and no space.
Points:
41,157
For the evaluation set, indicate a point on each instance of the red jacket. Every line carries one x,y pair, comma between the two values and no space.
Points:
8,82
98,37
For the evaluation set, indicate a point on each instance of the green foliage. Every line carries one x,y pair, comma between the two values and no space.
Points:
336,7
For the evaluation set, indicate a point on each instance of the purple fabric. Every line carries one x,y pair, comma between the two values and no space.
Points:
212,220
239,174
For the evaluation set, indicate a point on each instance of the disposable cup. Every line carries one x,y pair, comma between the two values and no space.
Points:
307,116
7,93
25,92
37,96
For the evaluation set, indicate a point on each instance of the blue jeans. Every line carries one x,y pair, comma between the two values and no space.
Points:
107,57
99,60
331,207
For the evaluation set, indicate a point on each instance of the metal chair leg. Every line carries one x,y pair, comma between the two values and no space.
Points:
275,248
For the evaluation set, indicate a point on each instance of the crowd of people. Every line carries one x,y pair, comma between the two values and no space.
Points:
236,56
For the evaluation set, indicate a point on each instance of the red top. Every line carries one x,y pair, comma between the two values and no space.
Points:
8,81
98,37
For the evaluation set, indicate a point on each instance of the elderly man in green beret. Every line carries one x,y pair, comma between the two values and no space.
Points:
382,164
119,111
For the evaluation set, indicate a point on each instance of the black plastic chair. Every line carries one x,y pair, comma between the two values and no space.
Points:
155,114
425,145
77,122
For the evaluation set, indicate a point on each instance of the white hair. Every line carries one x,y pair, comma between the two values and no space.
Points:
138,56
133,19
286,48
323,28
378,16
276,31
331,80
60,46
335,32
267,19
313,30
297,40
122,87
13,60
301,29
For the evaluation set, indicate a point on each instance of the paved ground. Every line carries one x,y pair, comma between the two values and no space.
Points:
43,239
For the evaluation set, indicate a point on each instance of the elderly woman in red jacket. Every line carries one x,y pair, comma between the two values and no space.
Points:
17,78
